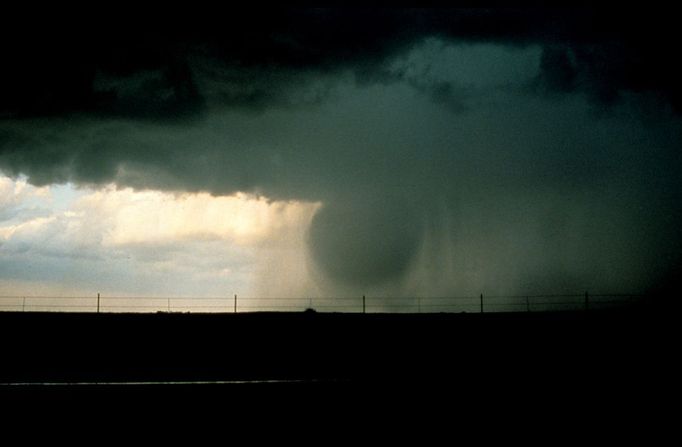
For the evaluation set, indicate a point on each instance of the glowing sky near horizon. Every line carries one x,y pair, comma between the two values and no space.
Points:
80,241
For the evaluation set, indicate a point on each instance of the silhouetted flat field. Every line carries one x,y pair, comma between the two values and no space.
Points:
615,356
62,347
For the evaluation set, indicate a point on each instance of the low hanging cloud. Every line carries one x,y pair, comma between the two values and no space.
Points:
448,150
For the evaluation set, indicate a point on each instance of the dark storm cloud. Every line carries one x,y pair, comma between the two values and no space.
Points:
260,101
557,71
150,66
626,50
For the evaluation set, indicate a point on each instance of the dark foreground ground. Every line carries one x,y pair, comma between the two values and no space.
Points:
602,363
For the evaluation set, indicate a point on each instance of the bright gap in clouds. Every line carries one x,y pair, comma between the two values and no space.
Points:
60,240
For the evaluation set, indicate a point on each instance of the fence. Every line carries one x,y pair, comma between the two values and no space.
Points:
363,304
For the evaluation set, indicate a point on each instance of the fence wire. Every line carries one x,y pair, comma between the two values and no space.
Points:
361,304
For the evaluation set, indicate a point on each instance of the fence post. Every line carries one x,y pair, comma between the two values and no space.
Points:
481,303
98,302
587,301
363,304
235,303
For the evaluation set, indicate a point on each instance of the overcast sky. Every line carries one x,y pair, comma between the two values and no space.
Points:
322,152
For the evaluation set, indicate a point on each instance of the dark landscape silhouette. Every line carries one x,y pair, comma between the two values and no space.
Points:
314,346
547,369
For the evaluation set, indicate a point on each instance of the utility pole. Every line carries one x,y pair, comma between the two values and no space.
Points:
363,304
98,302
235,303
481,303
